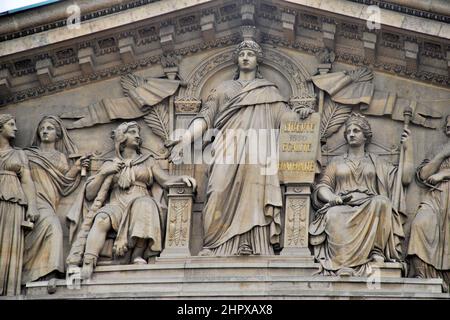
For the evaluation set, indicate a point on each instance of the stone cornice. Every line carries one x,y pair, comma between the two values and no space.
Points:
43,35
388,18
55,15
410,9
149,41
102,23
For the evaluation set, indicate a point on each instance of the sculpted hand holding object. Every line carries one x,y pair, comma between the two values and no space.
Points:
356,223
123,203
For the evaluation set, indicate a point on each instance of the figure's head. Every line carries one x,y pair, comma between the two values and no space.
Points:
248,55
357,130
8,127
127,134
49,130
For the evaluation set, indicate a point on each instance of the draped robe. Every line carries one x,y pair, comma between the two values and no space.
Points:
243,203
430,230
44,244
345,236
135,212
13,206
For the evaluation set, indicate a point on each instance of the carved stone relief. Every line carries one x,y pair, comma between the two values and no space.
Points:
328,192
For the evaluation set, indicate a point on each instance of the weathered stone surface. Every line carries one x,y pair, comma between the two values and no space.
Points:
163,64
235,278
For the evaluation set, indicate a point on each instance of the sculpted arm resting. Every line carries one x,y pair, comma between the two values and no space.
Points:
30,192
433,166
325,194
165,180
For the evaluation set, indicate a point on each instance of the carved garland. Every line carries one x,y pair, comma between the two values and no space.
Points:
296,218
178,223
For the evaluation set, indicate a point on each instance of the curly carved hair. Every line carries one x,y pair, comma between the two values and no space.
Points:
4,118
248,45
362,122
447,125
119,137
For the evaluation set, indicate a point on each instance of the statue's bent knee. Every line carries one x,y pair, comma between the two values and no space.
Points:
103,221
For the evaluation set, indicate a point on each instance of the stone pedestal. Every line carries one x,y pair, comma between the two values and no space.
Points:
297,207
179,222
299,140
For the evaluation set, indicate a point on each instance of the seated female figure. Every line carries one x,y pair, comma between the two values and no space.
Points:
120,190
356,222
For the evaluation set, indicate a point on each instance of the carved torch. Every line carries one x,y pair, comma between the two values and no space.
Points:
407,115
75,156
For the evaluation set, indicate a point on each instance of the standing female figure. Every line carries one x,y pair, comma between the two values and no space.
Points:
429,243
242,213
53,178
17,202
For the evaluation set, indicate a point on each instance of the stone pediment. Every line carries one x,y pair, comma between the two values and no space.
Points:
51,58
132,73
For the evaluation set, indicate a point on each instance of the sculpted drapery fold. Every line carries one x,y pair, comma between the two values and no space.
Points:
357,223
49,171
254,200
429,249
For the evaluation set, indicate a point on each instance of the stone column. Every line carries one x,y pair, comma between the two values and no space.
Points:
179,221
297,197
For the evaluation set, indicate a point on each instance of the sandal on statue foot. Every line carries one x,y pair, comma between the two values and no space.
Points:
245,250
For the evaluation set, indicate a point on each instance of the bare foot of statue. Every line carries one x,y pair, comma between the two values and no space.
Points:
377,258
205,253
244,250
345,272
139,260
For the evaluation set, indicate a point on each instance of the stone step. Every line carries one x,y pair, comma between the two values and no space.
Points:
276,287
237,277
228,266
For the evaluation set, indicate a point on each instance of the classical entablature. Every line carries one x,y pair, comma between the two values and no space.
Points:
40,56
340,114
